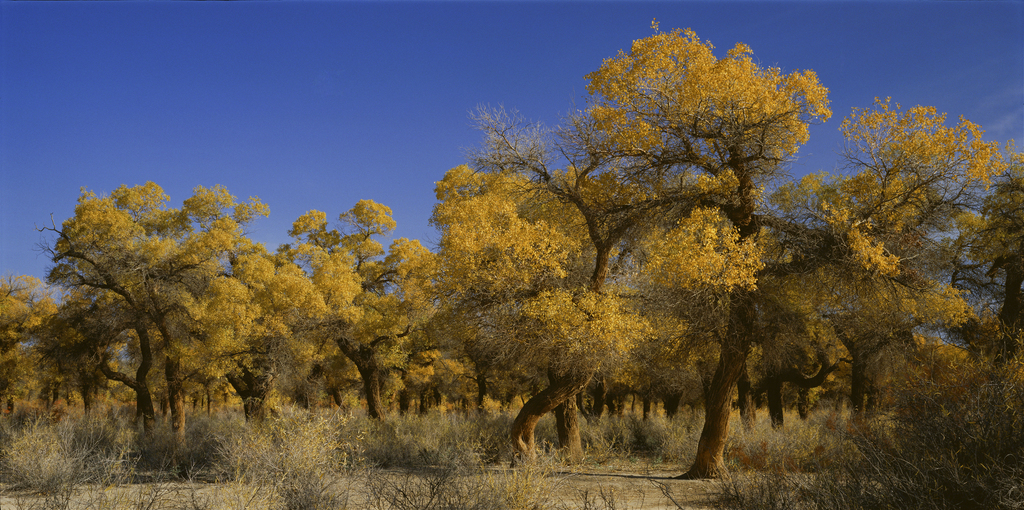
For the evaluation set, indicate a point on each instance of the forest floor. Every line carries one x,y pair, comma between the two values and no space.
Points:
392,489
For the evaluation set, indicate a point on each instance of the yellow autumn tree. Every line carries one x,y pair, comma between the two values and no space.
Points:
671,130
515,281
155,262
260,305
374,301
717,129
993,266
25,305
872,247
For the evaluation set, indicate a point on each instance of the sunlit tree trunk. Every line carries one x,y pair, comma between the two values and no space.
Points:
710,459
560,389
568,426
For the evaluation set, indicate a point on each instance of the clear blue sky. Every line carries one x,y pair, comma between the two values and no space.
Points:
316,105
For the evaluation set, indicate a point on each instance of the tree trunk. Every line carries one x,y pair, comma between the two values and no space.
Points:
424,401
1010,311
600,395
672,401
710,459
373,386
560,389
481,390
373,374
87,390
803,406
144,409
773,392
175,394
336,395
568,426
745,396
253,389
404,400
646,406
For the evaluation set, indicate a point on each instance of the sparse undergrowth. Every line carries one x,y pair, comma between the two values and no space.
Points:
332,459
953,440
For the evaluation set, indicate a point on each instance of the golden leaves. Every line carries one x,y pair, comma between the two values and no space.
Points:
886,140
671,83
705,250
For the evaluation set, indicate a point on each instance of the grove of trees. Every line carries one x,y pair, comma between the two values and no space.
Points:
650,245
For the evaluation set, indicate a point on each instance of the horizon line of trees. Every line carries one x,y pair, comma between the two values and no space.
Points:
651,245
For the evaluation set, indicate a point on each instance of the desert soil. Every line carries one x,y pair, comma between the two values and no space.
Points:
603,489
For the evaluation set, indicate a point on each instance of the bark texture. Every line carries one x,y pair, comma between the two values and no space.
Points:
175,394
560,389
567,423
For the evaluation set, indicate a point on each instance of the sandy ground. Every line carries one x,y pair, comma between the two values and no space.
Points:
559,490
654,491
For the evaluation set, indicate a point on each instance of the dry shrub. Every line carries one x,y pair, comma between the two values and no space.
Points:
951,442
44,456
799,446
658,438
297,455
432,439
194,453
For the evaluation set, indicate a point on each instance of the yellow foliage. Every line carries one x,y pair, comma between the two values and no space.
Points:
363,293
705,250
510,266
672,81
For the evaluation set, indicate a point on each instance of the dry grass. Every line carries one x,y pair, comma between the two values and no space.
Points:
945,446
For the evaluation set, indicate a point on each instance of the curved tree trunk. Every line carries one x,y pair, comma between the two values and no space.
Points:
560,389
373,374
710,459
772,387
254,390
144,409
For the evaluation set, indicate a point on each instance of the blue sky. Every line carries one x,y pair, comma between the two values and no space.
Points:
316,105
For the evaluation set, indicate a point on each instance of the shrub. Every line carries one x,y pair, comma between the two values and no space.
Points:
297,454
953,440
432,439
